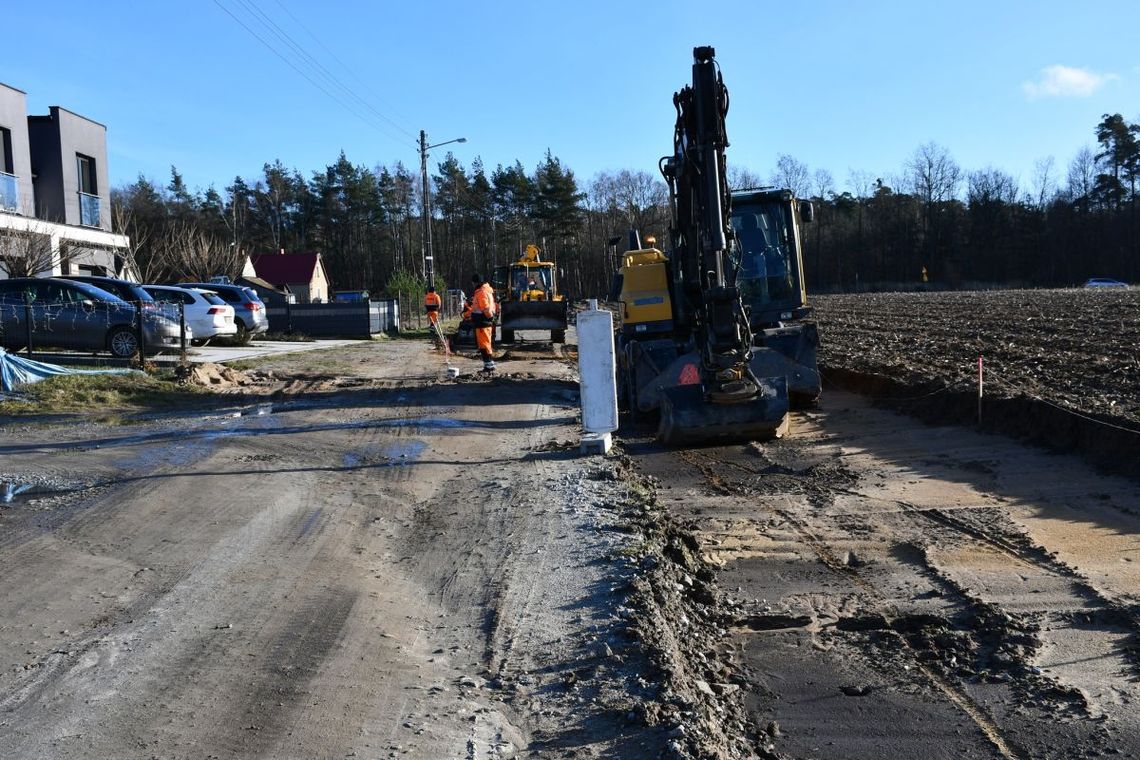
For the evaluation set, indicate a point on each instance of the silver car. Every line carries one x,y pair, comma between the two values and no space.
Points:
250,315
74,315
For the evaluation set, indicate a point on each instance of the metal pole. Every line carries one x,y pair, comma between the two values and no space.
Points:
28,321
182,329
139,331
429,260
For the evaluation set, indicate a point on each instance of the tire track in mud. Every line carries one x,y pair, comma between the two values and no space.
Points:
1097,616
892,619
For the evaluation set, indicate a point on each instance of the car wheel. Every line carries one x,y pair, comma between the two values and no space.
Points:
123,343
243,335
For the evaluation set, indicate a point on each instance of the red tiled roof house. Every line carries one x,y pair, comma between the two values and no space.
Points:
303,273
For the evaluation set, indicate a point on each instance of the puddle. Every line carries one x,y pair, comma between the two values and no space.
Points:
15,490
426,422
396,454
10,490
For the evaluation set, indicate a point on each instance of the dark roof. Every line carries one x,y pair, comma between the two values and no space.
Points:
257,282
284,268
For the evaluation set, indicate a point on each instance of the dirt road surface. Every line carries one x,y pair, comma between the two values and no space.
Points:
373,563
354,557
898,590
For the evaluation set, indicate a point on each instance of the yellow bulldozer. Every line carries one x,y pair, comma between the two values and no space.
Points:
529,299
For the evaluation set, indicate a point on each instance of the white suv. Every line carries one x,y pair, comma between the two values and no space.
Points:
206,313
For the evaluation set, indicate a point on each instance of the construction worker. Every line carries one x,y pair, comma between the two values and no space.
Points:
432,303
483,319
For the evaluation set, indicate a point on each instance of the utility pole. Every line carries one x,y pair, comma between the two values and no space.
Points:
425,186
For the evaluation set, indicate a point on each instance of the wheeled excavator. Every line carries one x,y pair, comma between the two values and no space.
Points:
713,334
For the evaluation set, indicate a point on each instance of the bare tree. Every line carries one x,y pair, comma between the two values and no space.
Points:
191,252
1082,176
933,174
991,185
1044,182
823,184
30,253
144,260
792,174
740,178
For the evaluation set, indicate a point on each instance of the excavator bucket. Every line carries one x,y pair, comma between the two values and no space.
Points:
534,315
687,416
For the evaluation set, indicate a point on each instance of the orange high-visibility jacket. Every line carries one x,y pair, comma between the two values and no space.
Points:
483,301
432,302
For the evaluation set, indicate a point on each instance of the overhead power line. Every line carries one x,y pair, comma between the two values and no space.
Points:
348,105
319,68
344,65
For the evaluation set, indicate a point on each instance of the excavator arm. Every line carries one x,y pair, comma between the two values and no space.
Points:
708,303
716,392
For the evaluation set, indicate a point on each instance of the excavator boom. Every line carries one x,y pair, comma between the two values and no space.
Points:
707,306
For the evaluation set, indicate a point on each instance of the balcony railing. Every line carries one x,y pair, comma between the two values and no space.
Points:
88,209
9,192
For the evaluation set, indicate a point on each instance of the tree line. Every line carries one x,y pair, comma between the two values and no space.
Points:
931,221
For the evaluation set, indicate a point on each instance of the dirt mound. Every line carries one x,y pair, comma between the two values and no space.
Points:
219,376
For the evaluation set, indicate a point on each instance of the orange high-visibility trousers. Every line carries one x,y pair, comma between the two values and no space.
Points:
483,339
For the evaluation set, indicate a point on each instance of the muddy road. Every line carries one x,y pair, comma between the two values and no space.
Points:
891,589
370,563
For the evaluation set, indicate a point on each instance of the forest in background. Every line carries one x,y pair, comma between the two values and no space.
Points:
962,228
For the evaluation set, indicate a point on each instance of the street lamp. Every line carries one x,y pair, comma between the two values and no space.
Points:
429,260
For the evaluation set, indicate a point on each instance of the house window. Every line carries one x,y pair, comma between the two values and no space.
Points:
86,168
9,190
88,198
8,166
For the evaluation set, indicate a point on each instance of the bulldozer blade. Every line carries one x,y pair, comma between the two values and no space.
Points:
687,416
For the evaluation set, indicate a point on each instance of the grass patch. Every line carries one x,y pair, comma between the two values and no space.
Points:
100,394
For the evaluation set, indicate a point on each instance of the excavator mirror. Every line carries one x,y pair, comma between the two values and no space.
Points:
807,212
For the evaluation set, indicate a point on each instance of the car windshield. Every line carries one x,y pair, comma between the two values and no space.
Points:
251,294
212,298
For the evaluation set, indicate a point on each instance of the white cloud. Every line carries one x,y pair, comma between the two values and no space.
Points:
1066,82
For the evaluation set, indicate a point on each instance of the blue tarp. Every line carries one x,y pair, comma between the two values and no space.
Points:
16,370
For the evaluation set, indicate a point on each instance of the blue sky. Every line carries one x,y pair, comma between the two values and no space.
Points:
838,85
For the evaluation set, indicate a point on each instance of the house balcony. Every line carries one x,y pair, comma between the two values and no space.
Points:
88,209
9,192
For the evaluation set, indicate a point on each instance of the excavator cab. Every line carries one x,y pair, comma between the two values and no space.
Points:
768,255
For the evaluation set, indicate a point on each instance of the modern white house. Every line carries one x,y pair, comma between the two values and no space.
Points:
55,195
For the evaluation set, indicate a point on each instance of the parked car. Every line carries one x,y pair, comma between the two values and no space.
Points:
206,313
1104,282
249,312
78,316
131,292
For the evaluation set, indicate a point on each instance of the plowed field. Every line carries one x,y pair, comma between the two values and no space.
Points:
1076,348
